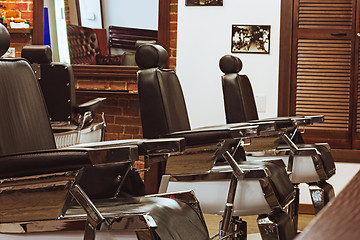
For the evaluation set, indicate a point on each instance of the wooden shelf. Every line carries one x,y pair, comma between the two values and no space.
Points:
104,92
20,30
113,72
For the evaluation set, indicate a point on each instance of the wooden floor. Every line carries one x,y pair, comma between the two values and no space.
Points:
212,222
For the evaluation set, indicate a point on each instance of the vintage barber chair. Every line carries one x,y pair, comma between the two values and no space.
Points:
262,189
38,183
309,163
71,123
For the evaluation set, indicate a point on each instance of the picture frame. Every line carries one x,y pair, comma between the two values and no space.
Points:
203,2
250,39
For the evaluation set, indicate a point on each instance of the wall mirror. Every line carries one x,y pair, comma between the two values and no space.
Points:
90,15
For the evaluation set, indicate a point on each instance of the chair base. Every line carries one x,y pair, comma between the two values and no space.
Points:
93,133
321,193
276,226
238,229
149,217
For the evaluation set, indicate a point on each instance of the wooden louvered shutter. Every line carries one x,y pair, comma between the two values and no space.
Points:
356,137
323,67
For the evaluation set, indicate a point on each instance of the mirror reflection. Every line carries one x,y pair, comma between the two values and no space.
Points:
101,32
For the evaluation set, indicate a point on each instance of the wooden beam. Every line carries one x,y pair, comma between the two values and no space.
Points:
38,28
346,155
286,22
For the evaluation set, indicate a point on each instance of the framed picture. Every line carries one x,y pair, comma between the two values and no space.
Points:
250,39
203,2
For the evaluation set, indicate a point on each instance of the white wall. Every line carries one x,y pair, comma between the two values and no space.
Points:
204,36
133,13
344,173
90,13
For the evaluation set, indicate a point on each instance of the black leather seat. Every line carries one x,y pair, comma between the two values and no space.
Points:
38,181
240,106
164,114
71,123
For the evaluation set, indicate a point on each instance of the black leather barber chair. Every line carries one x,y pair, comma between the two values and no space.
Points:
309,163
50,193
71,123
262,189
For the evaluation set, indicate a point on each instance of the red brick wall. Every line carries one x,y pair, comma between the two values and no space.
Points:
20,10
122,114
18,41
173,33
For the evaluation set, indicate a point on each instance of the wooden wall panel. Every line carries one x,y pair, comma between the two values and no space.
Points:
323,68
323,79
325,14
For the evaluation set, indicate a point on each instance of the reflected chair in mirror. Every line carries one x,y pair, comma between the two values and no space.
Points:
71,123
309,163
55,193
262,189
125,40
84,47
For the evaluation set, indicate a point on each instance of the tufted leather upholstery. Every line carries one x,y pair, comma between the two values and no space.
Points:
238,95
84,47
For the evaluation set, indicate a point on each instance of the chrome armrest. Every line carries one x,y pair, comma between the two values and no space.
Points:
145,146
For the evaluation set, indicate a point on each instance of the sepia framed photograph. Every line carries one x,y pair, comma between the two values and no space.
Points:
203,2
250,39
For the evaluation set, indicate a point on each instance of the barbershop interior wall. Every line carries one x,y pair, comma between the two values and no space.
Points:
204,36
134,13
90,13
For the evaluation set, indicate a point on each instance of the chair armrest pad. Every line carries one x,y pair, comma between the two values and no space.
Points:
61,160
91,105
214,134
42,162
145,146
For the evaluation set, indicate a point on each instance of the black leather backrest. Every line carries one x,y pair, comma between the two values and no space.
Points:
58,86
238,95
56,82
24,122
162,105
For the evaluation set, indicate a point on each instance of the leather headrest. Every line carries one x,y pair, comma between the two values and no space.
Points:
230,64
40,54
4,40
151,56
